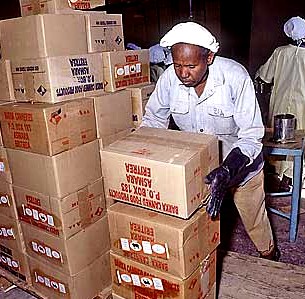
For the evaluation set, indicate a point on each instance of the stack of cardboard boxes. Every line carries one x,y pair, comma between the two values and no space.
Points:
163,245
65,75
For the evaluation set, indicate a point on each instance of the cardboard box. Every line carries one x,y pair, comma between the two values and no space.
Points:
104,32
7,200
11,234
62,217
2,103
6,81
124,69
57,79
133,280
113,112
15,262
85,4
160,169
106,140
163,242
34,7
59,175
84,285
43,36
140,96
48,129
5,170
68,256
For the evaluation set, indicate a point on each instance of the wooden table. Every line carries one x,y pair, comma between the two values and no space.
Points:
296,150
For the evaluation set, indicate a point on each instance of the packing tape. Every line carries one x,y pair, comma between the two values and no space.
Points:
36,8
84,206
28,79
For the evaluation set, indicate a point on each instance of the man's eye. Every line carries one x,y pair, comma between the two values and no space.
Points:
191,66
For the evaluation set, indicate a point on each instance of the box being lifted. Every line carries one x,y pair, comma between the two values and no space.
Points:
160,169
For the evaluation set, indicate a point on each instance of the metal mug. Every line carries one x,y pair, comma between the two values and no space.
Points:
284,127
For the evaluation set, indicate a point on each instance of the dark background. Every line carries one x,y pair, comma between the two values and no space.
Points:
248,30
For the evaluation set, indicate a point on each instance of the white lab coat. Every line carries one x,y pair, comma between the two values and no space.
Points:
286,69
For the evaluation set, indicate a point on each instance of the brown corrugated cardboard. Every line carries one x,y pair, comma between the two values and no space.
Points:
62,217
106,140
6,81
113,112
2,103
125,69
160,169
115,296
140,96
59,175
31,7
15,262
84,285
7,200
72,255
106,293
48,128
57,79
104,32
43,36
163,242
5,170
133,280
34,7
10,233
85,4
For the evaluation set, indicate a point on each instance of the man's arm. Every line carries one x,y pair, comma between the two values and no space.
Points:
245,155
247,116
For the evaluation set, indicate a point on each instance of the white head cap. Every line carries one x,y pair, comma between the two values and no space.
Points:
295,28
190,33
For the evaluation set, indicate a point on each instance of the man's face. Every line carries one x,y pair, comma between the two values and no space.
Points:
191,63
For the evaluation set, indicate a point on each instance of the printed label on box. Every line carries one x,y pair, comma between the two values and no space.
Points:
50,282
150,248
140,280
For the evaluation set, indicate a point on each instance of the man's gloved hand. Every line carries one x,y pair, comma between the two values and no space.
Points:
220,179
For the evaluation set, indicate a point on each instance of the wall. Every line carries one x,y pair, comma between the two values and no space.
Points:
268,18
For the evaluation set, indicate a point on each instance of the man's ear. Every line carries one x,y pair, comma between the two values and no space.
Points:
210,57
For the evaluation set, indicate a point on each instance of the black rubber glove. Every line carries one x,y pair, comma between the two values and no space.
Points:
220,179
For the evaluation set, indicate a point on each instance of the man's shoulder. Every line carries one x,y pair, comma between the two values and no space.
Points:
229,67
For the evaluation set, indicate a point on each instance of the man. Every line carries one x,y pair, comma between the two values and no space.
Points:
215,95
286,70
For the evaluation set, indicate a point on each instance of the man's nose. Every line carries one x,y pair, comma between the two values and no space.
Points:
184,73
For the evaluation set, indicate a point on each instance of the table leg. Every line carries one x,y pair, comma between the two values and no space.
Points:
295,199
